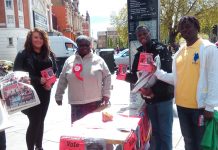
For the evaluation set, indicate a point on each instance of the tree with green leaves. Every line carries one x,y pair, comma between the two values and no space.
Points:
171,11
120,22
110,43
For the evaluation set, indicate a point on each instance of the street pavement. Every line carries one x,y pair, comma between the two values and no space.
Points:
58,120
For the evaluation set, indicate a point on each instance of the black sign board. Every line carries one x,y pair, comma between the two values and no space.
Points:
143,12
142,9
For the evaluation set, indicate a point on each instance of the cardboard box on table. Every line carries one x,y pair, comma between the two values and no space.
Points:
129,130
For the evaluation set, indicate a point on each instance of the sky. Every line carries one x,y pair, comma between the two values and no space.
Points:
100,12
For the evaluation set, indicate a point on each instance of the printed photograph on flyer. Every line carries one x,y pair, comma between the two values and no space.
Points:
47,73
145,62
121,72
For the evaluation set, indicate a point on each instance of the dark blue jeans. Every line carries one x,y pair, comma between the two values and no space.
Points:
161,116
2,140
192,126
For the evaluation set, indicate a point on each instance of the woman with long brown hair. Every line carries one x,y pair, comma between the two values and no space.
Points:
35,58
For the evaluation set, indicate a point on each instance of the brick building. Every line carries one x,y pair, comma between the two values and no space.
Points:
68,20
102,39
86,25
17,17
77,18
63,11
41,14
108,39
14,22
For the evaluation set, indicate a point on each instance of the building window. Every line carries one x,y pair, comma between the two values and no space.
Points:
10,19
21,21
20,5
9,4
10,40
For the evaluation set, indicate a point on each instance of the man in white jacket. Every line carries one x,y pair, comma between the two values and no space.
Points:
195,77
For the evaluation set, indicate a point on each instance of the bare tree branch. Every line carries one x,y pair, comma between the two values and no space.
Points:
191,7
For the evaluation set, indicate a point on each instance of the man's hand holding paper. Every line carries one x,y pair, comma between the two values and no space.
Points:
146,93
147,79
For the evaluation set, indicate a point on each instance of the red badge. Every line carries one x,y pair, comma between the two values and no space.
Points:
77,69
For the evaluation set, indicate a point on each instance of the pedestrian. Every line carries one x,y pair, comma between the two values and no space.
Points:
195,72
216,44
88,79
117,49
2,140
36,57
159,97
2,133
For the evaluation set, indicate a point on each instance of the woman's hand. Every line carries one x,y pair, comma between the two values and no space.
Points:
42,80
28,81
47,87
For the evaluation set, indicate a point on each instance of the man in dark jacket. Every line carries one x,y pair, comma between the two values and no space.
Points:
159,97
2,140
2,135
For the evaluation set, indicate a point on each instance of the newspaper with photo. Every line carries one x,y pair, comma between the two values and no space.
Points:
17,93
146,79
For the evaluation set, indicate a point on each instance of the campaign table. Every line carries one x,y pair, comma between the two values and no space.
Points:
129,130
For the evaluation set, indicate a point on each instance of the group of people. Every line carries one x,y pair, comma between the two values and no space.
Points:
86,75
190,76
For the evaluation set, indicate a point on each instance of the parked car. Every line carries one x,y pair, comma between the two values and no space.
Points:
122,57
